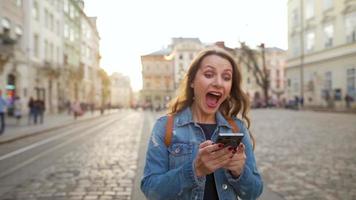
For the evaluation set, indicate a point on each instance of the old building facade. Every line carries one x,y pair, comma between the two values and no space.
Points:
42,52
12,51
321,52
121,91
158,79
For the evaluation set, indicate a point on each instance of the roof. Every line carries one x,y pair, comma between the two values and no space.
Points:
162,52
181,39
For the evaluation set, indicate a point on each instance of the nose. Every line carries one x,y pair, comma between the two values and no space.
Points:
218,82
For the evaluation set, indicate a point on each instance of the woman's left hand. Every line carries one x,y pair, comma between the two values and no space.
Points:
237,162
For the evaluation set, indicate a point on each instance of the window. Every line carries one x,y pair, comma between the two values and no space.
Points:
309,9
295,17
350,27
51,20
327,4
180,56
351,82
278,83
36,45
310,40
51,52
65,6
18,3
35,13
46,50
18,31
58,28
295,46
328,81
66,31
46,19
58,55
5,24
328,35
295,85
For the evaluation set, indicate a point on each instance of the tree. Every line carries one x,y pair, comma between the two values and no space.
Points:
249,58
106,83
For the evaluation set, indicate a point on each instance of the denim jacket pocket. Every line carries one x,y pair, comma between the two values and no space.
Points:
179,153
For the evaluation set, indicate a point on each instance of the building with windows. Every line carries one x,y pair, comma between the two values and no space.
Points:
321,65
90,59
44,50
44,53
183,50
158,79
121,91
72,42
12,51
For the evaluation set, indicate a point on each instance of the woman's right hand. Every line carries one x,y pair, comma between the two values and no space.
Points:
211,157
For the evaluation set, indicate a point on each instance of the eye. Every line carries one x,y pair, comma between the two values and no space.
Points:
208,75
227,77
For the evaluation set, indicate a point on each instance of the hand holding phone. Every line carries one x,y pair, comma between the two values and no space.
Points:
230,139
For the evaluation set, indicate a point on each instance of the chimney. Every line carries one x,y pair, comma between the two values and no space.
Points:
220,44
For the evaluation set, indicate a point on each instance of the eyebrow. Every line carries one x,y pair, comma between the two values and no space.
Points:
214,68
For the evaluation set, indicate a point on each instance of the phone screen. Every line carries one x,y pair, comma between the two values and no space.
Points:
230,139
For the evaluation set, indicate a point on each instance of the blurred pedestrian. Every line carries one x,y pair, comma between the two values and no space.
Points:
41,108
3,105
76,109
18,109
348,100
31,110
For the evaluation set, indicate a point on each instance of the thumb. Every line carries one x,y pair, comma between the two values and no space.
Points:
205,144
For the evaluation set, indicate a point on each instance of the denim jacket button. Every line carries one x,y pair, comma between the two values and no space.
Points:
177,150
224,186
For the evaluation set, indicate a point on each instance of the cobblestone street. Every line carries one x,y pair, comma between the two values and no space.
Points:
102,168
307,155
301,154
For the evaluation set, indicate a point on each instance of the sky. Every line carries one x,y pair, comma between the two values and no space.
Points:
132,28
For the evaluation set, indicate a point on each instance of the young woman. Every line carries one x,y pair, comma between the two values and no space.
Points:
192,166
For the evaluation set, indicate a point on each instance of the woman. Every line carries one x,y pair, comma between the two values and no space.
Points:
193,166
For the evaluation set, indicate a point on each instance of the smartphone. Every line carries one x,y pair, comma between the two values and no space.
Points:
230,139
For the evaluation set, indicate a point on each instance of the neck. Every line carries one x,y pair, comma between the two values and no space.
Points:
201,117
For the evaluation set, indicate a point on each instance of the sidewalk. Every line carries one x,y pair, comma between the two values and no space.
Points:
51,121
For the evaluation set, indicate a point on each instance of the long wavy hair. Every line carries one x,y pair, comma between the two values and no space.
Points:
236,104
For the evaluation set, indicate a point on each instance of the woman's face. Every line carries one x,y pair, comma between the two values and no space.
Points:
212,83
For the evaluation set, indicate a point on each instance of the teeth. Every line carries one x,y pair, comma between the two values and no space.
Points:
215,93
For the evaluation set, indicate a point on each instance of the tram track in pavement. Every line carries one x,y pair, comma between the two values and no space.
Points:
41,151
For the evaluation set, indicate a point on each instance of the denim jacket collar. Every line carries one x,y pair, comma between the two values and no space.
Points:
186,117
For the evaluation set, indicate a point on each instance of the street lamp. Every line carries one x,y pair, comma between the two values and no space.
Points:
301,51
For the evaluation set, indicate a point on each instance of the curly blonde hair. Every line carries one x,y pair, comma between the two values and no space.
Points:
237,103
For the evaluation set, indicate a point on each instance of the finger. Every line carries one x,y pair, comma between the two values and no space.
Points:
214,147
205,144
221,156
241,148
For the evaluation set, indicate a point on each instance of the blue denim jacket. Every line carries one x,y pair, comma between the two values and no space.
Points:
169,172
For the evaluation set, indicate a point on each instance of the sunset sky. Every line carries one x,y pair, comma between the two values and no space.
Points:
131,28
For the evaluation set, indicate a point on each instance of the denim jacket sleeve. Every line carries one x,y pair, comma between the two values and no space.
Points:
160,182
249,184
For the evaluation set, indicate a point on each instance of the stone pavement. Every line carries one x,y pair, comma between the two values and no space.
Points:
301,154
305,155
101,168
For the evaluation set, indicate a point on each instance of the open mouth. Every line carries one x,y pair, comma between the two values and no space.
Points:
212,99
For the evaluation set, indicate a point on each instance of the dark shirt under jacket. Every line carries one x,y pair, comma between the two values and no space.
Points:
210,192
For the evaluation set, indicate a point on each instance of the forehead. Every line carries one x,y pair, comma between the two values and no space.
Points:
215,61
